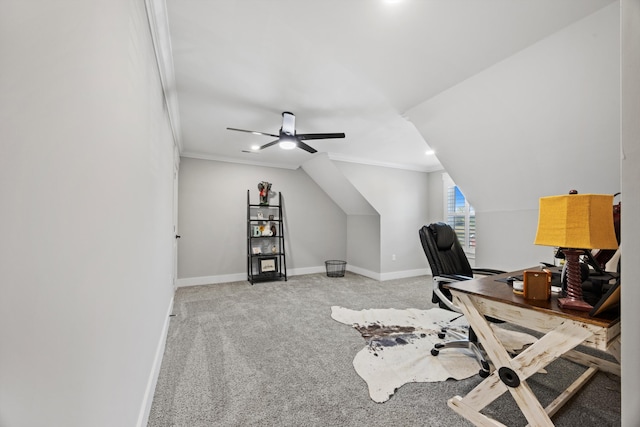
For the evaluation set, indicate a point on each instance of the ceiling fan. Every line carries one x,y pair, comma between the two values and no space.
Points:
288,139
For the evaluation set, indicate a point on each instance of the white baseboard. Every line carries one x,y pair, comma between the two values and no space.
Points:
389,276
210,280
306,270
404,274
363,272
145,410
240,277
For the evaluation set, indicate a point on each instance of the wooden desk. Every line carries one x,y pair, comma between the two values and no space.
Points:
563,329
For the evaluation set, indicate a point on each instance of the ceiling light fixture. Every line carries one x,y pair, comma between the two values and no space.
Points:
287,145
255,147
287,142
429,152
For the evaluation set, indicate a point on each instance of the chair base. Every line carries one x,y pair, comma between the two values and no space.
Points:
466,344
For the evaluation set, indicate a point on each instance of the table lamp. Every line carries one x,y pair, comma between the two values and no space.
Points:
578,222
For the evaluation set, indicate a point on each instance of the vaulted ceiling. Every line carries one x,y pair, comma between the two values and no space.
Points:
352,66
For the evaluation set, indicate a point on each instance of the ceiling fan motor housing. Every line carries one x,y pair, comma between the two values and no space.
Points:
288,124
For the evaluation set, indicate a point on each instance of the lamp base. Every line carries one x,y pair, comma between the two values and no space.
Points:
574,304
574,300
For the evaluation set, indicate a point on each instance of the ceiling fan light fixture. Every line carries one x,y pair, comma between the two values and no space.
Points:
287,144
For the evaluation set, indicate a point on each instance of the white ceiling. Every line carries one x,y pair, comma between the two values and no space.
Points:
352,66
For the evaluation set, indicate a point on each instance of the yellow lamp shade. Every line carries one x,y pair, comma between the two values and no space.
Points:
581,221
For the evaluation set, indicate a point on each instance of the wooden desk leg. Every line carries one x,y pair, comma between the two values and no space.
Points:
511,374
592,361
614,350
471,414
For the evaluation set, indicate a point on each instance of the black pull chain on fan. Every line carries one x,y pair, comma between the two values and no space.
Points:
288,139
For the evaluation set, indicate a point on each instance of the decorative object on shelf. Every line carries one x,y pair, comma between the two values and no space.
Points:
274,230
274,249
256,231
271,217
260,215
578,222
256,250
266,232
268,265
264,188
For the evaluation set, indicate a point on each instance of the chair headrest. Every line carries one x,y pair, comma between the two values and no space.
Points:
445,236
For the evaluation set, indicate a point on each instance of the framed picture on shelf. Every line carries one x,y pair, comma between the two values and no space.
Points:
268,265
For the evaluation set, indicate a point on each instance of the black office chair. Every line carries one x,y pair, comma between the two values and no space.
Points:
449,264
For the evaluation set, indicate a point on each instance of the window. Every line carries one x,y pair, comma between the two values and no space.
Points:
460,215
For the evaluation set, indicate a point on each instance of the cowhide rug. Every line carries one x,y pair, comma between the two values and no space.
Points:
399,342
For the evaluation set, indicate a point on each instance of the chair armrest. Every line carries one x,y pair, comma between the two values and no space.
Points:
443,299
487,271
452,278
447,278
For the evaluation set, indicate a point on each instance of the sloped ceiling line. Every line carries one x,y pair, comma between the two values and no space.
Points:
328,177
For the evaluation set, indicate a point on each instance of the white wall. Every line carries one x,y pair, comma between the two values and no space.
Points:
401,199
86,184
630,209
436,210
213,214
363,244
541,122
213,221
363,222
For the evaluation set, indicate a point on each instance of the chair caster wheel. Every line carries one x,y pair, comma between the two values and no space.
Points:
441,335
434,352
483,373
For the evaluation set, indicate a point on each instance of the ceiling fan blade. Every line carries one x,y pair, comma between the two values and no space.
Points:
307,136
307,148
254,132
269,144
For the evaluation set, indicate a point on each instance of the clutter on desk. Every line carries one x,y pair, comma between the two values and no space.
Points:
537,284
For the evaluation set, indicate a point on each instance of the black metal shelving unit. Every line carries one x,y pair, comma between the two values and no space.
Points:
266,259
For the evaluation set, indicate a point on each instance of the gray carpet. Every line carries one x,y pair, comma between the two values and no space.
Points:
270,355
